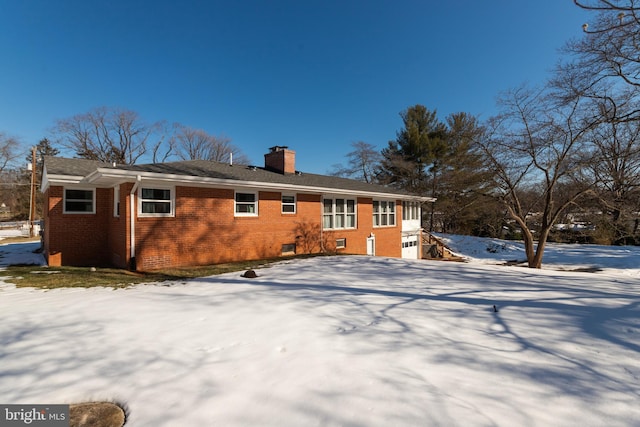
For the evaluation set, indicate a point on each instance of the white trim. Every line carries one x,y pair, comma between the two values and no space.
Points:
116,201
171,201
108,177
255,203
334,213
386,214
62,180
294,204
132,218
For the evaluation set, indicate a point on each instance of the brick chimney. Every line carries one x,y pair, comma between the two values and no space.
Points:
280,159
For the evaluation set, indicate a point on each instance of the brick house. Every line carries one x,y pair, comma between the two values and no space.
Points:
197,212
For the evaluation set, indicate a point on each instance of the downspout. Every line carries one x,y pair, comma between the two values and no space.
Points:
322,248
132,224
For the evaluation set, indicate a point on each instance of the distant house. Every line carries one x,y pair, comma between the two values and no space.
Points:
187,213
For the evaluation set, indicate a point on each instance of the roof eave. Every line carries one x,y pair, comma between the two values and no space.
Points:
107,177
56,179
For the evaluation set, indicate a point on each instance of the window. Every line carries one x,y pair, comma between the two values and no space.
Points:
116,201
338,213
410,211
246,204
289,249
384,213
351,214
327,213
341,243
288,204
409,244
155,201
79,201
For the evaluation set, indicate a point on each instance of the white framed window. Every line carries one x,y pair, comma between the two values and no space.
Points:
384,213
116,201
246,204
338,213
155,201
79,201
341,243
288,204
410,211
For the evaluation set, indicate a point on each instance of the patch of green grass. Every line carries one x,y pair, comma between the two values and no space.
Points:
19,239
84,277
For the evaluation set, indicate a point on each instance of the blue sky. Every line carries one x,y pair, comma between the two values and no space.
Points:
313,75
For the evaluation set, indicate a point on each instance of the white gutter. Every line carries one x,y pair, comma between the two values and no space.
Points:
104,173
132,218
48,180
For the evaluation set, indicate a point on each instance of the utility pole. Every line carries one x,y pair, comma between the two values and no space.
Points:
32,203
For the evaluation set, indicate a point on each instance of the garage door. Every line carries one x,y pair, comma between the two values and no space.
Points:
410,247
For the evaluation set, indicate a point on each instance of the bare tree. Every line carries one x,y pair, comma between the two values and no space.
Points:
362,162
196,144
8,150
108,135
164,146
310,238
616,170
13,180
535,147
610,45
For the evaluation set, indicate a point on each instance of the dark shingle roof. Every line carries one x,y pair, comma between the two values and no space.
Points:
73,167
217,170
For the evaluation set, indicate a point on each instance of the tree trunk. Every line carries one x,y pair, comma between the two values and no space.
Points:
542,242
527,237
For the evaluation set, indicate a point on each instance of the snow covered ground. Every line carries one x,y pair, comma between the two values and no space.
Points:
612,259
342,341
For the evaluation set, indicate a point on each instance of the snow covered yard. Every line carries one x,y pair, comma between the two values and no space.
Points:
338,341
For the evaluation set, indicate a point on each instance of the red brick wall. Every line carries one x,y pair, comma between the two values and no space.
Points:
203,231
282,160
76,239
118,228
389,239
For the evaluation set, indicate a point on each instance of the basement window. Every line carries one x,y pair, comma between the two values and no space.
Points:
289,249
341,243
155,201
79,201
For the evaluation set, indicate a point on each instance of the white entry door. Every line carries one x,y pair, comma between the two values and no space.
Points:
371,246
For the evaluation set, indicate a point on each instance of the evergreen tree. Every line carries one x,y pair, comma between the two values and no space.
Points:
429,157
416,151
